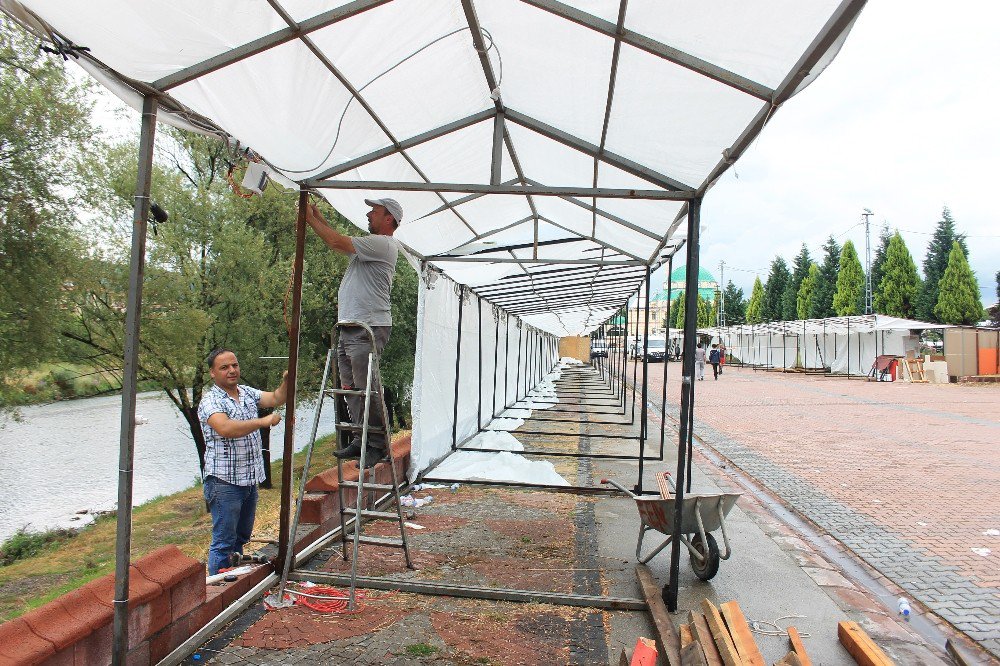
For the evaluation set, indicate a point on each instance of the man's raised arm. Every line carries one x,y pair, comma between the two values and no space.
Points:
333,238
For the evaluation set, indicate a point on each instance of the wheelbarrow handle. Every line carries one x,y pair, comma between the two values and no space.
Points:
619,486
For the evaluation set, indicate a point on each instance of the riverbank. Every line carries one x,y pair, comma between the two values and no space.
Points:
179,519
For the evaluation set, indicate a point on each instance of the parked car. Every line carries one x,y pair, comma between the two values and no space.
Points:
655,348
598,349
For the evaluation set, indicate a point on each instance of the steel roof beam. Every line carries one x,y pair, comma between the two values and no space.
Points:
266,42
528,260
606,215
557,288
406,144
602,243
478,188
659,49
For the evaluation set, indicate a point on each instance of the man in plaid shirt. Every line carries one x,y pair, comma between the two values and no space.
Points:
234,464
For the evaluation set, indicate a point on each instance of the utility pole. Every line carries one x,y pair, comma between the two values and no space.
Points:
722,294
868,261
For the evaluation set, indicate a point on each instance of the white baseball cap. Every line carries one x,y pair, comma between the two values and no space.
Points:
390,205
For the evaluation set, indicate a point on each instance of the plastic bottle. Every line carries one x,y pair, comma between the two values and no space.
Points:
904,607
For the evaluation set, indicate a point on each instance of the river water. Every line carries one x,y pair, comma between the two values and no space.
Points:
62,458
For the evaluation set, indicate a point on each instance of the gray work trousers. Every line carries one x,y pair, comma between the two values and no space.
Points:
353,347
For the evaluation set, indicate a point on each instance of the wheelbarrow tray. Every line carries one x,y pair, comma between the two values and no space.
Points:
658,513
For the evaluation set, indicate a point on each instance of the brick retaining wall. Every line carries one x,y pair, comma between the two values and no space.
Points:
168,598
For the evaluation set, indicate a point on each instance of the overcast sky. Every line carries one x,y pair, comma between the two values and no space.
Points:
903,122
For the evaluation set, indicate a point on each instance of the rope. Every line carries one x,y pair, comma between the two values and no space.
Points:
755,626
325,599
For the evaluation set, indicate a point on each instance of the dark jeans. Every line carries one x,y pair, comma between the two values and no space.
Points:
233,509
353,347
715,370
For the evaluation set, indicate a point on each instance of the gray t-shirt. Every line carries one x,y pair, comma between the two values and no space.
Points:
364,291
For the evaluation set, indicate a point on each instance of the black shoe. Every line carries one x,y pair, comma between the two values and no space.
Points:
373,456
351,451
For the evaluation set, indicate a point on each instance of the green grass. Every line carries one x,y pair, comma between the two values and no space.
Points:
420,650
24,544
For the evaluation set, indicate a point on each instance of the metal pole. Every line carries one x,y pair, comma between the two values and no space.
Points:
687,392
506,357
496,359
645,388
133,312
479,337
458,363
284,535
666,360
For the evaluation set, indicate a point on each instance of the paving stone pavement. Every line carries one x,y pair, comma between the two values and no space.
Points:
905,475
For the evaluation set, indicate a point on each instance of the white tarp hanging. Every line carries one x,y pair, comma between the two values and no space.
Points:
396,95
503,374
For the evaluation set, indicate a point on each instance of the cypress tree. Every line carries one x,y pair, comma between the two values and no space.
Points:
677,311
800,270
736,305
994,311
826,284
804,299
755,306
880,253
705,316
896,293
935,263
774,290
958,300
849,297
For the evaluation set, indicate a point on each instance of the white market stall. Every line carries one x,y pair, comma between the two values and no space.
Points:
546,154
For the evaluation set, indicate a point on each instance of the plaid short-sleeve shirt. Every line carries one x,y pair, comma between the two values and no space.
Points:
238,460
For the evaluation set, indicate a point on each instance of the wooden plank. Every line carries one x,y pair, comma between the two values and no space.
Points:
667,640
644,653
861,646
746,646
693,655
664,485
724,643
798,647
790,659
703,635
959,655
687,637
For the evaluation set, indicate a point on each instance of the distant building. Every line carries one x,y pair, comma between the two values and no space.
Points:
708,286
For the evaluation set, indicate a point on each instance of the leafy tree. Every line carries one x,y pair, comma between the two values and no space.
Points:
804,299
849,297
896,293
44,126
800,270
935,263
219,274
881,251
958,302
826,286
774,290
755,307
736,305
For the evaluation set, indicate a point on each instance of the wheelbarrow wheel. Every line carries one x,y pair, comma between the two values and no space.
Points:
709,550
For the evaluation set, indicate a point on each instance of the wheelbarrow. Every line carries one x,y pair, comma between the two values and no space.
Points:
701,514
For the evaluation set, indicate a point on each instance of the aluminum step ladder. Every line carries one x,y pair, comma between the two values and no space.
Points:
364,484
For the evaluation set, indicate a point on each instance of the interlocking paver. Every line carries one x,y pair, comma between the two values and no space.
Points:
905,475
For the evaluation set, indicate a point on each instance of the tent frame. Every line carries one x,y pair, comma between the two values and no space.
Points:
156,97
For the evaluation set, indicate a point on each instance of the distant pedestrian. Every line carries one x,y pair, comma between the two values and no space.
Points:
699,361
713,358
722,356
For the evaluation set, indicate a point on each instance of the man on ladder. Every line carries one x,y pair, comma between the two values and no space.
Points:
364,297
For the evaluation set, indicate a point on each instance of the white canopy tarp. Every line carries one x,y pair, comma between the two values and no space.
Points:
635,107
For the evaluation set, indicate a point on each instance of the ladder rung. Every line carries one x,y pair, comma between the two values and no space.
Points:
348,392
370,486
391,515
354,427
388,542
